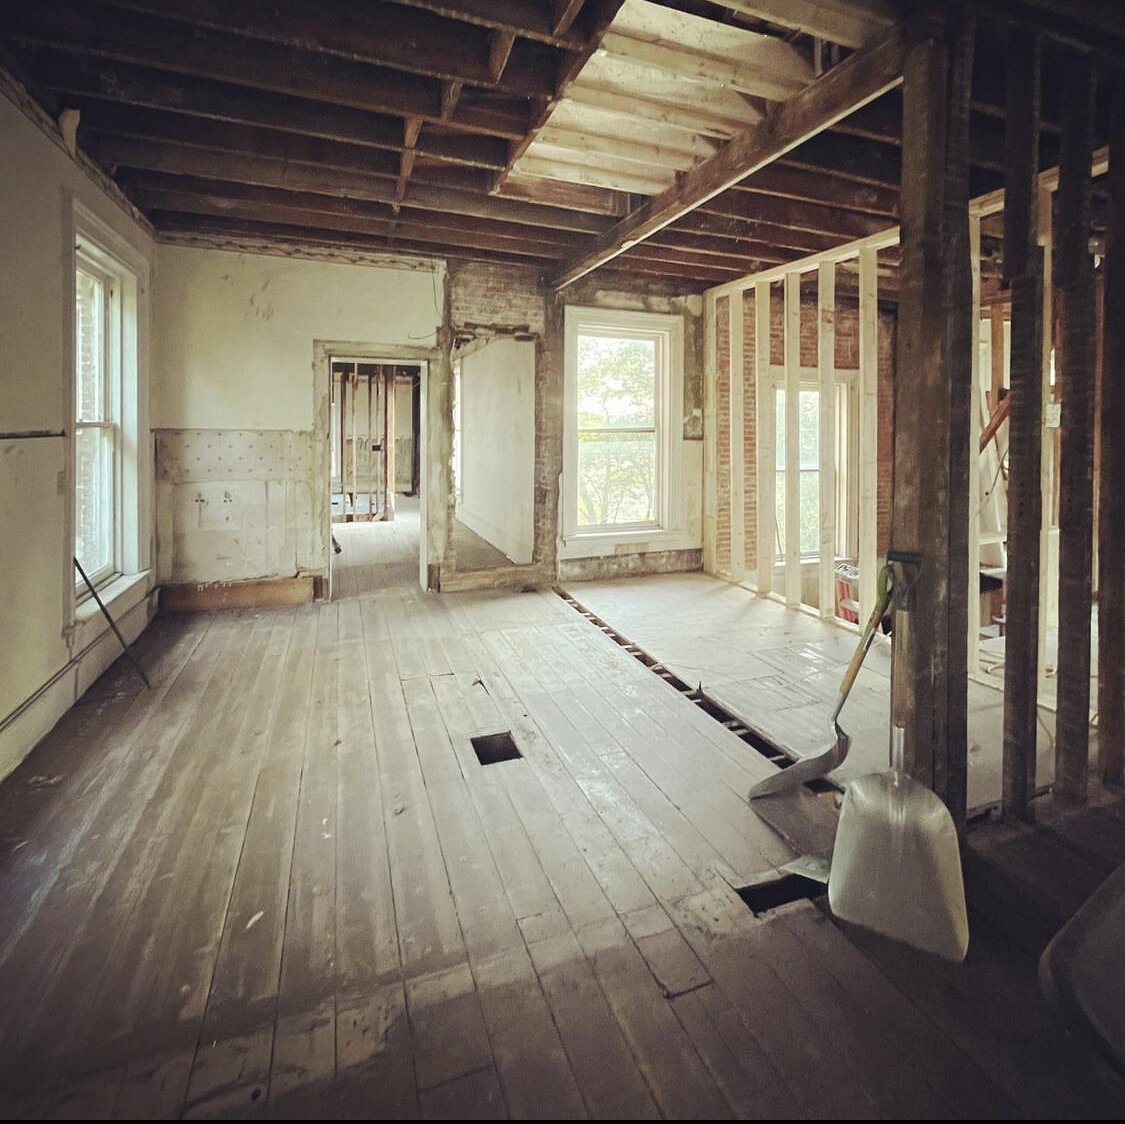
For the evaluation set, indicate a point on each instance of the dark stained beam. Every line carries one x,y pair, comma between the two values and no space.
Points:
853,158
530,19
561,193
789,182
1074,294
375,32
702,225
190,228
147,41
100,88
265,171
1111,492
563,15
152,184
854,82
1023,275
441,242
450,95
843,226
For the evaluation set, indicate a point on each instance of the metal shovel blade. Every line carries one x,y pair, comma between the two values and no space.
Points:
896,867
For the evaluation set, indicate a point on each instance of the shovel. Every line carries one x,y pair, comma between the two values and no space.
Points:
817,766
896,866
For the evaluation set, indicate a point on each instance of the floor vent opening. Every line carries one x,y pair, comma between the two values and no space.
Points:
762,898
491,749
696,694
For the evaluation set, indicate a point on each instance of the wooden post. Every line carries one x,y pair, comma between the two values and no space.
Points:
1074,288
826,373
767,436
973,605
1023,271
1111,501
389,446
355,441
930,455
737,441
710,433
868,430
368,452
792,322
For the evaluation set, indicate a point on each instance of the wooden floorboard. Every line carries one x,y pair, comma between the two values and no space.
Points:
281,883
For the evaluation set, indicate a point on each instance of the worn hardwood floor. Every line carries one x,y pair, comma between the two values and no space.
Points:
281,884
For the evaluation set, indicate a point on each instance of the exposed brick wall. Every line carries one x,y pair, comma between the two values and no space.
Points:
487,298
847,358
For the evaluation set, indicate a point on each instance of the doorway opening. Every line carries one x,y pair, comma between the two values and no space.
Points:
375,472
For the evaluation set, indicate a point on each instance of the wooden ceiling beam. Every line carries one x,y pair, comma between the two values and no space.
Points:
851,23
784,180
842,226
137,183
724,228
530,19
112,92
576,196
172,202
563,15
222,232
854,82
376,32
266,171
146,41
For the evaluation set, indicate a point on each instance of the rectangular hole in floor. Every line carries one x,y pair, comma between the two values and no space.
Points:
494,748
769,895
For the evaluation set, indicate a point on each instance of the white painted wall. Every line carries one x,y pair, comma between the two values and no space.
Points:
235,345
234,370
50,654
498,445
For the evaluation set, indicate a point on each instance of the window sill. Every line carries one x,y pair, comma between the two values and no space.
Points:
120,596
596,544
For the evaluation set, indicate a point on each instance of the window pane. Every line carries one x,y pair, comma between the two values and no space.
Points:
90,351
616,383
93,514
616,478
810,429
810,512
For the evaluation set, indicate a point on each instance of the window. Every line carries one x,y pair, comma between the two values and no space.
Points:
110,283
97,419
623,372
808,455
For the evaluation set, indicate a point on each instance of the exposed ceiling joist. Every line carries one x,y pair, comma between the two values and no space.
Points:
853,83
531,19
852,23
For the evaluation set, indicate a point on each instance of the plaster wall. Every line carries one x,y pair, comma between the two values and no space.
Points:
239,410
51,649
498,445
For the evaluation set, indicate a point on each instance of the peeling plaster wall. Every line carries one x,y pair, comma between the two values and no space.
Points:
49,657
239,411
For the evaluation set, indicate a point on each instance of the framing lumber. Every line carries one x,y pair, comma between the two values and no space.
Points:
854,82
826,375
792,354
152,42
710,434
851,23
384,35
1023,266
1111,497
868,431
766,436
975,447
529,21
737,438
1075,361
934,260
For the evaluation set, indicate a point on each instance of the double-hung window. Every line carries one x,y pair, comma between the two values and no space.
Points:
623,392
97,424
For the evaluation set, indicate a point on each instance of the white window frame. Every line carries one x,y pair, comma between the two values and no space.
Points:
668,331
97,247
847,438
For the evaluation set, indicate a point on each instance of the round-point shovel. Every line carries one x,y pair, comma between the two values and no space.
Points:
896,865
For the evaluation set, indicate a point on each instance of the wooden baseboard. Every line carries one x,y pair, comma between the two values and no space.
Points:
192,598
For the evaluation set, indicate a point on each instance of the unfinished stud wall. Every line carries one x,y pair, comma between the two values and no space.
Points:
847,359
238,411
48,663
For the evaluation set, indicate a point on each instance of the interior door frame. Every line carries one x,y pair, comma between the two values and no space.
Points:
324,351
